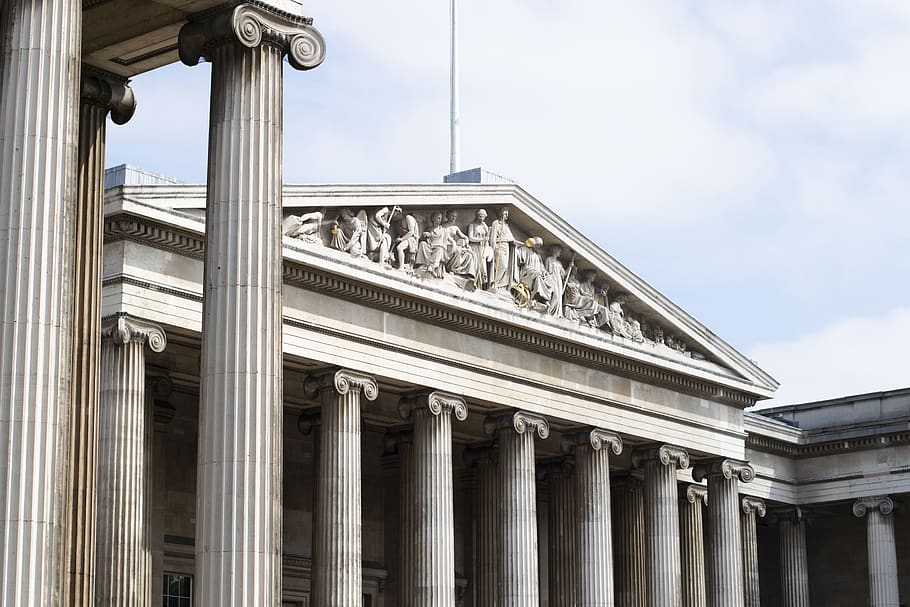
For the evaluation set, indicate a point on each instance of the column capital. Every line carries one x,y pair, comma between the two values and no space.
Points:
727,468
435,403
123,329
751,504
882,503
520,421
694,494
788,514
252,23
308,420
665,454
108,91
480,454
563,467
342,381
596,438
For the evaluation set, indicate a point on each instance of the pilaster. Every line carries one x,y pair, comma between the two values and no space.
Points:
752,507
519,582
725,550
561,514
882,551
487,541
239,510
693,499
101,94
434,577
123,558
39,104
337,562
794,562
664,571
593,524
629,571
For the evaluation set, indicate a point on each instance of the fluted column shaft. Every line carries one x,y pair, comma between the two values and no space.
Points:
337,562
692,545
123,558
39,97
486,528
561,547
794,562
593,533
629,544
518,565
725,549
408,565
434,518
751,509
239,510
100,94
882,550
664,575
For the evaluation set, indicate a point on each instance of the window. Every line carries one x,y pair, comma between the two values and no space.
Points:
178,590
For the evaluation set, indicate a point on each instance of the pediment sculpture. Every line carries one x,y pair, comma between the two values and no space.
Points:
498,259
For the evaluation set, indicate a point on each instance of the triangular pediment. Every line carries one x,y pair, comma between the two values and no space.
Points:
540,273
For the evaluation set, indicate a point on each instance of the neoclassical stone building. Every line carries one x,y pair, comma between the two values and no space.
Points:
256,394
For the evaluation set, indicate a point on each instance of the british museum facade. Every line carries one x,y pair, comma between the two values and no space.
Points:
243,393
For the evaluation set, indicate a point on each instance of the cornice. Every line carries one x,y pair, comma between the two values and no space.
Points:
776,446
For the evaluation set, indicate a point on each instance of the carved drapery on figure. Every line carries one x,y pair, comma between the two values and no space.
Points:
496,258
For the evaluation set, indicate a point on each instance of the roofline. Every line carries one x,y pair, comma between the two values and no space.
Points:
817,404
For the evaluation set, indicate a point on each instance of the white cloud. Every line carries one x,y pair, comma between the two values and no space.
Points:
849,356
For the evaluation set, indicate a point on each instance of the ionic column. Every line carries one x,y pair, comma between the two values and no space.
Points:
664,574
238,503
631,588
123,558
751,507
593,521
883,587
434,518
693,499
400,590
337,555
561,546
794,562
101,94
486,525
518,568
40,42
725,549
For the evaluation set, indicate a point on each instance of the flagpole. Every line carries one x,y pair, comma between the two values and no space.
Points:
455,136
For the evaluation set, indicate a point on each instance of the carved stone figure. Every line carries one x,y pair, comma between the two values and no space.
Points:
503,243
348,233
618,317
557,273
543,287
479,241
303,227
460,258
406,242
431,250
379,242
581,301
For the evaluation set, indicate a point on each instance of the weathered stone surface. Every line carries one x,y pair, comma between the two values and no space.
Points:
882,552
692,544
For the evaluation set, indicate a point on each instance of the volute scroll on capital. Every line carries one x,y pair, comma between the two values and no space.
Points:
727,468
882,503
666,454
596,438
695,493
125,329
520,421
108,91
252,23
435,402
751,504
342,381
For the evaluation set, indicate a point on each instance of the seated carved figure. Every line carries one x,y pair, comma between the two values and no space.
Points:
303,227
348,233
583,301
544,287
431,251
460,259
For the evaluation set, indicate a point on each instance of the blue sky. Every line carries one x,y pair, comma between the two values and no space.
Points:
751,160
